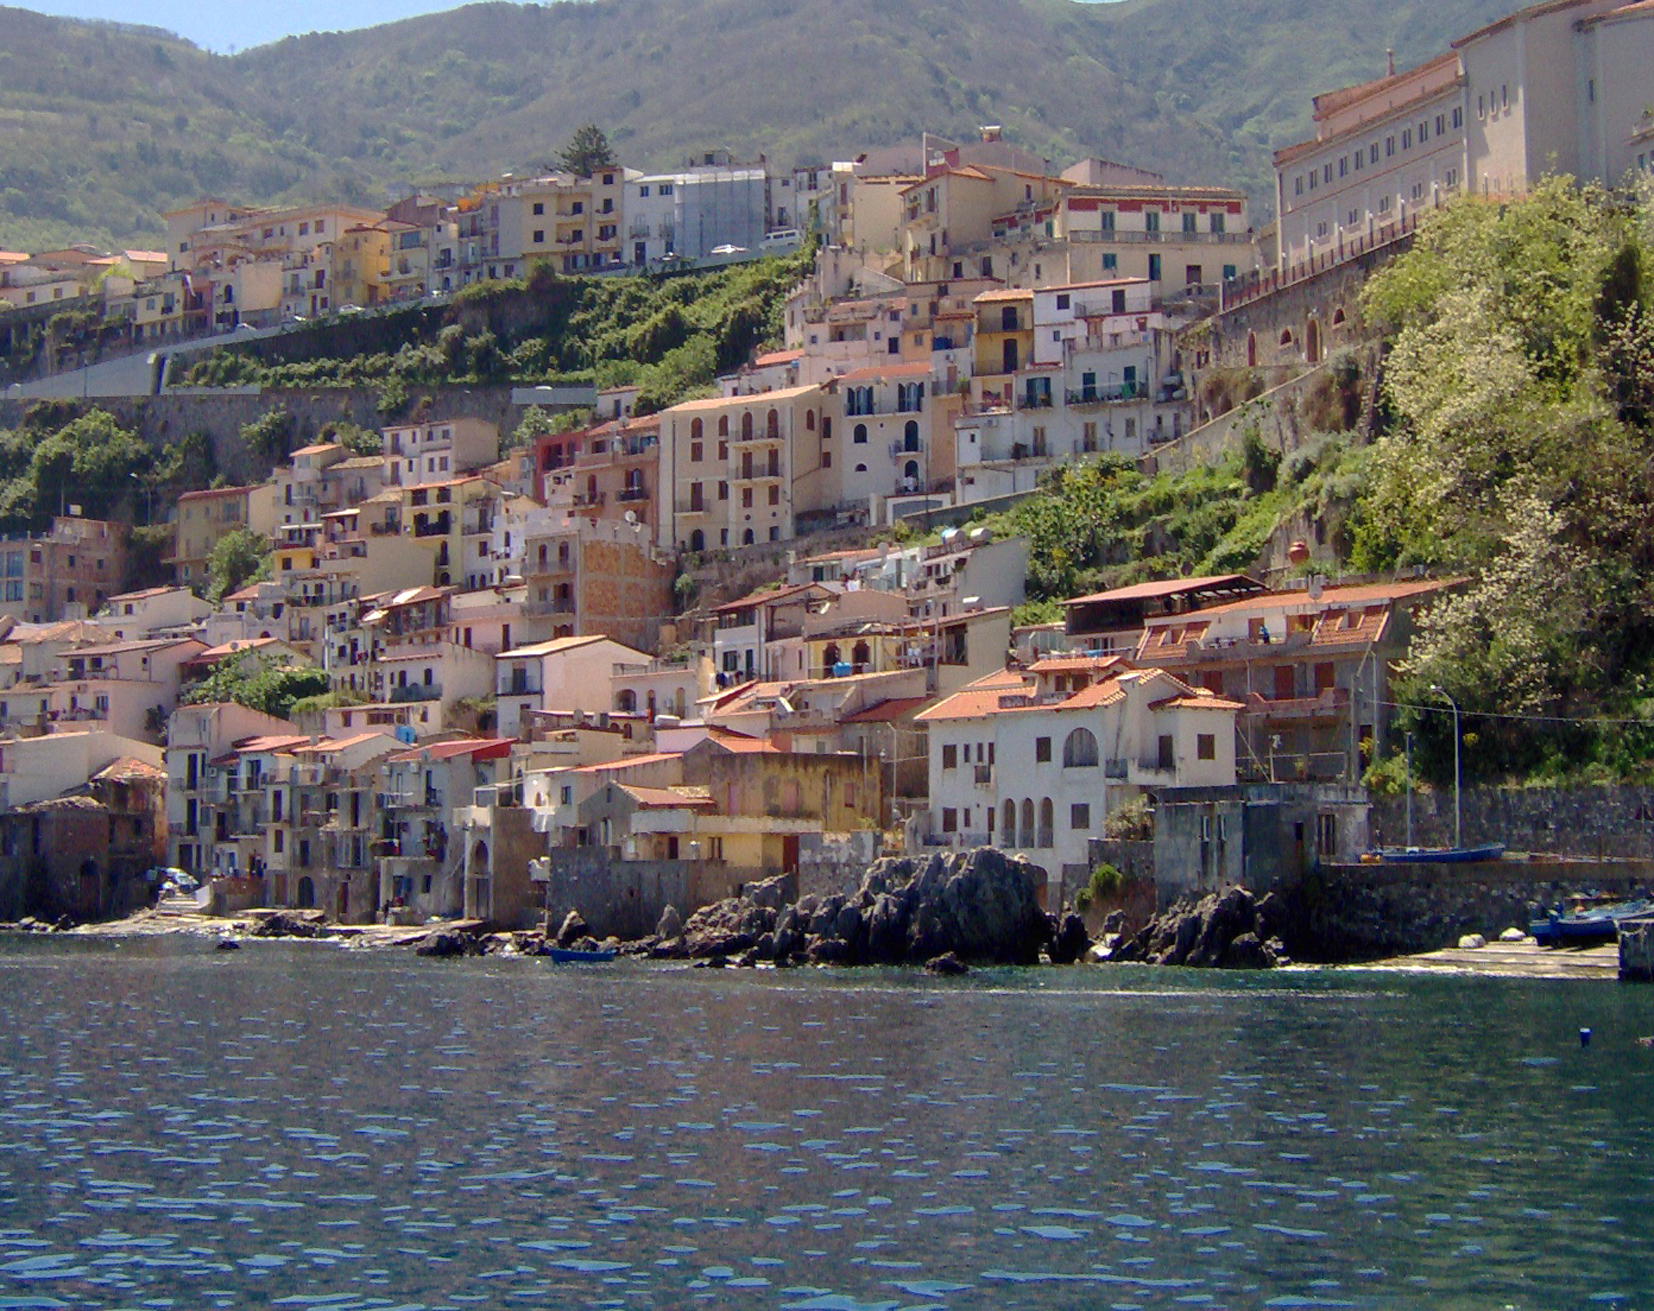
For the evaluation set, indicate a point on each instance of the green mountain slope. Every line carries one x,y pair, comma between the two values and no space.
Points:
106,127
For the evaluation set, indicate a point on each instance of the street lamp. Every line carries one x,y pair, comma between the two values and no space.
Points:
149,499
1458,839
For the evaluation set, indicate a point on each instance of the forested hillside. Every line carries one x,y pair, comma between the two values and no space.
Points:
106,127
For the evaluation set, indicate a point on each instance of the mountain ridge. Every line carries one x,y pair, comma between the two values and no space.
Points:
112,125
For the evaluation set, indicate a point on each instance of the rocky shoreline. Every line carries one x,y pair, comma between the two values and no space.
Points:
948,911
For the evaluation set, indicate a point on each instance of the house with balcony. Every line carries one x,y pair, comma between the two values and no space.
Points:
742,469
128,687
744,628
200,738
153,611
1310,669
1112,622
421,851
565,673
440,672
202,518
437,451
1034,761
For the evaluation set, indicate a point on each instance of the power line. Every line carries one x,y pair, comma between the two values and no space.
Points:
1528,719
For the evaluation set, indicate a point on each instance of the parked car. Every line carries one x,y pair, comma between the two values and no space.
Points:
727,249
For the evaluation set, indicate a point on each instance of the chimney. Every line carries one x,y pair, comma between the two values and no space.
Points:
1390,62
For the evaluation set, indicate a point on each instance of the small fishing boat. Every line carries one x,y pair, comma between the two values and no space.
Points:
1442,855
1589,924
574,955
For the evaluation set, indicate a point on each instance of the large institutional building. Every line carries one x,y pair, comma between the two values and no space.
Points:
1561,87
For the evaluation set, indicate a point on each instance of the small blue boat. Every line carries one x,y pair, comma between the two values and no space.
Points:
574,955
1442,855
1593,924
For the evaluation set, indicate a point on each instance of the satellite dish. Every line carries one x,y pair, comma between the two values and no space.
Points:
631,516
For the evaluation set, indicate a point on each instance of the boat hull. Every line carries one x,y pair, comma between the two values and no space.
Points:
1442,855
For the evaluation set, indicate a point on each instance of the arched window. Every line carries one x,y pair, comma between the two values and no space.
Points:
746,426
1080,749
829,658
723,425
772,425
809,420
859,436
910,436
1047,837
1025,838
910,472
695,429
746,538
861,468
563,555
1008,825
861,655
697,540
626,701
1286,337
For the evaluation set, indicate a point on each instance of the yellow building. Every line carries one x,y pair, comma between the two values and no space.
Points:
204,517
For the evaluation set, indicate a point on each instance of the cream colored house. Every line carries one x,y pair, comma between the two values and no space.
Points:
1035,761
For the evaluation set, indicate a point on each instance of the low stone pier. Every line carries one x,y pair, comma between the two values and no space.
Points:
1637,949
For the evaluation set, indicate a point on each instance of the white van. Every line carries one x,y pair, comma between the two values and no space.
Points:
782,239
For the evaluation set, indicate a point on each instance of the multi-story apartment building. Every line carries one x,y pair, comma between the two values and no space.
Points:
439,451
742,468
1559,87
574,222
199,739
203,518
691,212
67,572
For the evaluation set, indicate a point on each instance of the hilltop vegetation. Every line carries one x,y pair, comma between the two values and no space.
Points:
109,126
670,336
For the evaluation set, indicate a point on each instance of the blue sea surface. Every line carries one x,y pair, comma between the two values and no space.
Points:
306,1127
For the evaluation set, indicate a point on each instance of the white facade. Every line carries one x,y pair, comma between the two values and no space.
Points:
1035,764
690,212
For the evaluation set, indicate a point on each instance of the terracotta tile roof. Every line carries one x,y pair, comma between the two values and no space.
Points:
211,493
978,699
667,798
483,748
757,398
271,742
628,762
329,745
920,369
128,768
1331,597
553,646
318,448
774,594
1164,587
741,743
777,357
887,712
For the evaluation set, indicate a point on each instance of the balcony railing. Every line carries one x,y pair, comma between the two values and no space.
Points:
632,494
416,692
1034,400
1112,392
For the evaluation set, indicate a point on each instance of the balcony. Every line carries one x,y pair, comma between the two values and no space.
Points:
1109,394
692,507
1329,703
757,473
415,692
586,500
755,436
562,605
632,494
1040,400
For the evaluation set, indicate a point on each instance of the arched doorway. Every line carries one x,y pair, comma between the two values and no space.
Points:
1312,342
1251,350
697,540
1008,825
307,893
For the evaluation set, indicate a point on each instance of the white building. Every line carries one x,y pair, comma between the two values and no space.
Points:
694,210
1035,761
1557,88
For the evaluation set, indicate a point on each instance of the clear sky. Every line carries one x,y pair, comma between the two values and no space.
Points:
248,23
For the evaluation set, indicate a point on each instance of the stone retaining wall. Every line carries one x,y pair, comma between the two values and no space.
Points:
1594,822
1356,912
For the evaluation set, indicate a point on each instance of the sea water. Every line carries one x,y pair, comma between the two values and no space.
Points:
303,1126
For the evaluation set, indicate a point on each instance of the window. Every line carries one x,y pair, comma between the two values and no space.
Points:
540,205
1343,166
1481,107
1298,185
695,452
1189,220
1326,174
950,756
1216,224
1111,261
1079,749
1372,153
1064,300
1151,220
1504,97
1458,116
1360,160
1206,746
1079,816
1406,138
1389,147
539,236
1314,179
1424,131
1154,268
950,820
1106,219
1042,750
1441,124
859,435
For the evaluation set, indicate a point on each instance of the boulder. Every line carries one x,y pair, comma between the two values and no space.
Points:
1247,952
947,965
289,924
1070,941
1513,934
671,924
442,944
574,928
226,944
1204,934
1471,941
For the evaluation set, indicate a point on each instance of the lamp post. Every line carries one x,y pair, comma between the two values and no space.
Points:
149,499
1458,838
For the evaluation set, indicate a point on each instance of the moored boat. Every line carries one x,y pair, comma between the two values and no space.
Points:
1442,855
1591,924
573,955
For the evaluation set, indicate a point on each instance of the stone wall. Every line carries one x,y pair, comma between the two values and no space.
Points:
625,898
221,414
1591,822
832,864
1637,949
1356,912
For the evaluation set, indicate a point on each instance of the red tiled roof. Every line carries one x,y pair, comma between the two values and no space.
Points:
484,748
1163,587
888,711
629,762
977,699
919,369
740,743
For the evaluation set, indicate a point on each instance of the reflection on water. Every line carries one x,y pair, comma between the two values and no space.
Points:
300,1126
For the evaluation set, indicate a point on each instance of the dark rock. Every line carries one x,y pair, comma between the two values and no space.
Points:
289,924
765,950
1070,942
574,928
1115,923
1247,952
442,944
827,951
226,944
947,964
671,924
